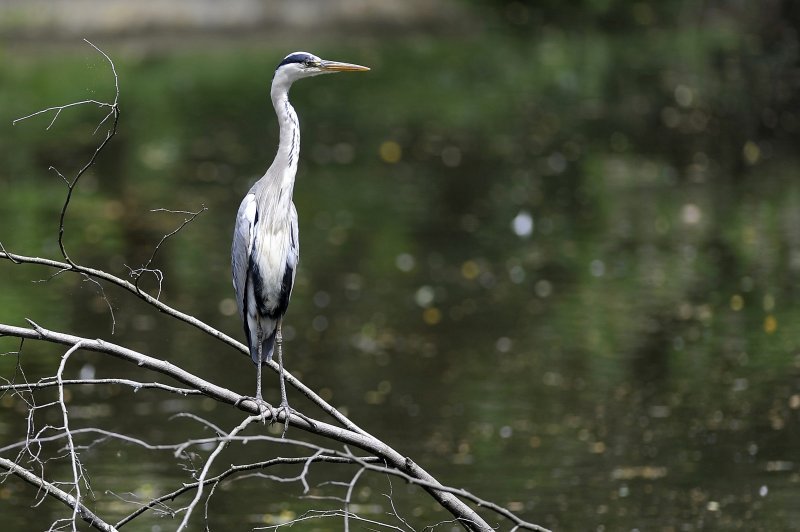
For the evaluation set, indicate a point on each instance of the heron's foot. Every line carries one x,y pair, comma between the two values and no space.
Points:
287,411
265,409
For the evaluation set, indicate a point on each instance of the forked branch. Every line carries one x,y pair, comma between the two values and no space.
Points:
112,114
34,480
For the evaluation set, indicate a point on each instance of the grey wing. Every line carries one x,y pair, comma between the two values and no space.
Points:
243,237
294,247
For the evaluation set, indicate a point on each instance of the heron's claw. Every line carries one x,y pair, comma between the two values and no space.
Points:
263,407
287,411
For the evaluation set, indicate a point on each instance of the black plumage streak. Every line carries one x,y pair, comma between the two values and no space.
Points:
295,58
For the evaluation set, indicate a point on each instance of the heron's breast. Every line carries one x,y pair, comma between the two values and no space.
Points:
271,255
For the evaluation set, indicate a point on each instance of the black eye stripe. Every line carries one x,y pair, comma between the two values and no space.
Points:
302,58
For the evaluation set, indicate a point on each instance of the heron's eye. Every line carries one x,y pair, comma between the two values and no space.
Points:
309,63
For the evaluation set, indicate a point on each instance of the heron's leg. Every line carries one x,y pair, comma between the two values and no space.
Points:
259,398
284,402
279,347
259,336
262,406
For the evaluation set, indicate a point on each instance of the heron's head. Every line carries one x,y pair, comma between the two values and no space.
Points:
298,65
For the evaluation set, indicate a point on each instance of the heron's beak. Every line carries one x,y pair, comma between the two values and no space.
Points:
336,66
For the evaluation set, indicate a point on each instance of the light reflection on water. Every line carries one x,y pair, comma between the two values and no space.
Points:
574,329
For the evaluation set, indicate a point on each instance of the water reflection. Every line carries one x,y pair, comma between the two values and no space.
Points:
571,290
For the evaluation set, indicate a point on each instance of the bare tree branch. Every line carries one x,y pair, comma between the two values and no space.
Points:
77,469
349,498
35,480
166,309
204,473
411,478
48,382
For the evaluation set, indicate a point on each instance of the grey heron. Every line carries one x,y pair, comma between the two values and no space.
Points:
266,246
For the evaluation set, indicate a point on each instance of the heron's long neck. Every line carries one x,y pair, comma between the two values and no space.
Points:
280,176
289,144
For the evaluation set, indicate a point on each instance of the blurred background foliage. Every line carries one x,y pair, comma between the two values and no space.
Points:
551,250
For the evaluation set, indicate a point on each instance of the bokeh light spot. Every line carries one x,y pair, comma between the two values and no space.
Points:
543,288
451,156
432,316
424,296
683,95
404,262
522,224
770,324
503,344
227,307
390,152
691,214
597,268
751,152
470,269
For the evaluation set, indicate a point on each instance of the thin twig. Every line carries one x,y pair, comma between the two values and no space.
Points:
137,273
59,108
7,255
322,514
87,278
18,371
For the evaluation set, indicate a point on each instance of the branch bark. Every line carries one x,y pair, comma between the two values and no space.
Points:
82,511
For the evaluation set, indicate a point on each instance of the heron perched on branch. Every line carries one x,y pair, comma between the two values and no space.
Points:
266,247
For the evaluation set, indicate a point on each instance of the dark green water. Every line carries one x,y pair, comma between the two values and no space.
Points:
560,273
